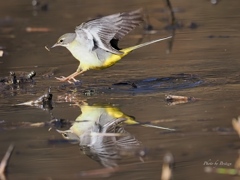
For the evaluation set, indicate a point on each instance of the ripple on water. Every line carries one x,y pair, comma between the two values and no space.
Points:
153,85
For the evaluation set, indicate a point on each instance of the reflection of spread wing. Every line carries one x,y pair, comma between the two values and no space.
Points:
125,142
110,27
107,149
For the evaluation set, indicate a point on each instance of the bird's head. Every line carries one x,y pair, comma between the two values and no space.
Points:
65,40
69,135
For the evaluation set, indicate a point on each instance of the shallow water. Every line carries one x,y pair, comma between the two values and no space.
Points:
203,63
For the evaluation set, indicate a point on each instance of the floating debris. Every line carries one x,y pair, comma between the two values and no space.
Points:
44,101
13,79
37,29
174,100
47,48
31,75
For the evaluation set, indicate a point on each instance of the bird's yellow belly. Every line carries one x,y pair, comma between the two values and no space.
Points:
89,60
95,63
113,59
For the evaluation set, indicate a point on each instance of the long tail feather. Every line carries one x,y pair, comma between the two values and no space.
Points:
145,44
150,42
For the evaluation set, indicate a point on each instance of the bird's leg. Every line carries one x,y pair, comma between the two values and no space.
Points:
70,77
63,78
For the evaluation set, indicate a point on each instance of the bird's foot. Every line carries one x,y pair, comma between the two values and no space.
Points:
70,80
62,78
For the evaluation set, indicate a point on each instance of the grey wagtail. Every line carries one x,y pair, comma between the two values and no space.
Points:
95,42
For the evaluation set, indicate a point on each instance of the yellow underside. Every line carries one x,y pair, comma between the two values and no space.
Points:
115,112
114,58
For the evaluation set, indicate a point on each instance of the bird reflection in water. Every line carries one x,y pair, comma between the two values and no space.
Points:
100,132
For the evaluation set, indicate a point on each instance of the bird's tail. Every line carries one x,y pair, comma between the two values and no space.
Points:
127,50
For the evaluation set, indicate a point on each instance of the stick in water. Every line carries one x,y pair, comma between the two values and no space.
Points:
5,159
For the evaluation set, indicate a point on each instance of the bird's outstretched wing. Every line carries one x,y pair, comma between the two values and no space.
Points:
110,27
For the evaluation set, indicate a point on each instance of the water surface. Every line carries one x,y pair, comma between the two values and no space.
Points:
203,63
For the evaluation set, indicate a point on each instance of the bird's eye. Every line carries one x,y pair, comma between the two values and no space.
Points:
65,135
61,40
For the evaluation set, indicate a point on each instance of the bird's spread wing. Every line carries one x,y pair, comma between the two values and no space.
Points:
110,27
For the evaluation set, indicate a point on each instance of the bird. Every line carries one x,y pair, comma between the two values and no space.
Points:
99,114
95,42
99,131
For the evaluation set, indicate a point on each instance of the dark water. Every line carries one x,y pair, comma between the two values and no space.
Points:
203,63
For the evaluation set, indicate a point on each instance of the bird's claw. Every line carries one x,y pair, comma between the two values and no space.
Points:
74,81
62,78
70,80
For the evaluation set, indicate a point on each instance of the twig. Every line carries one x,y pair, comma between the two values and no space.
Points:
158,127
37,29
4,161
47,48
174,100
168,160
169,5
173,21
